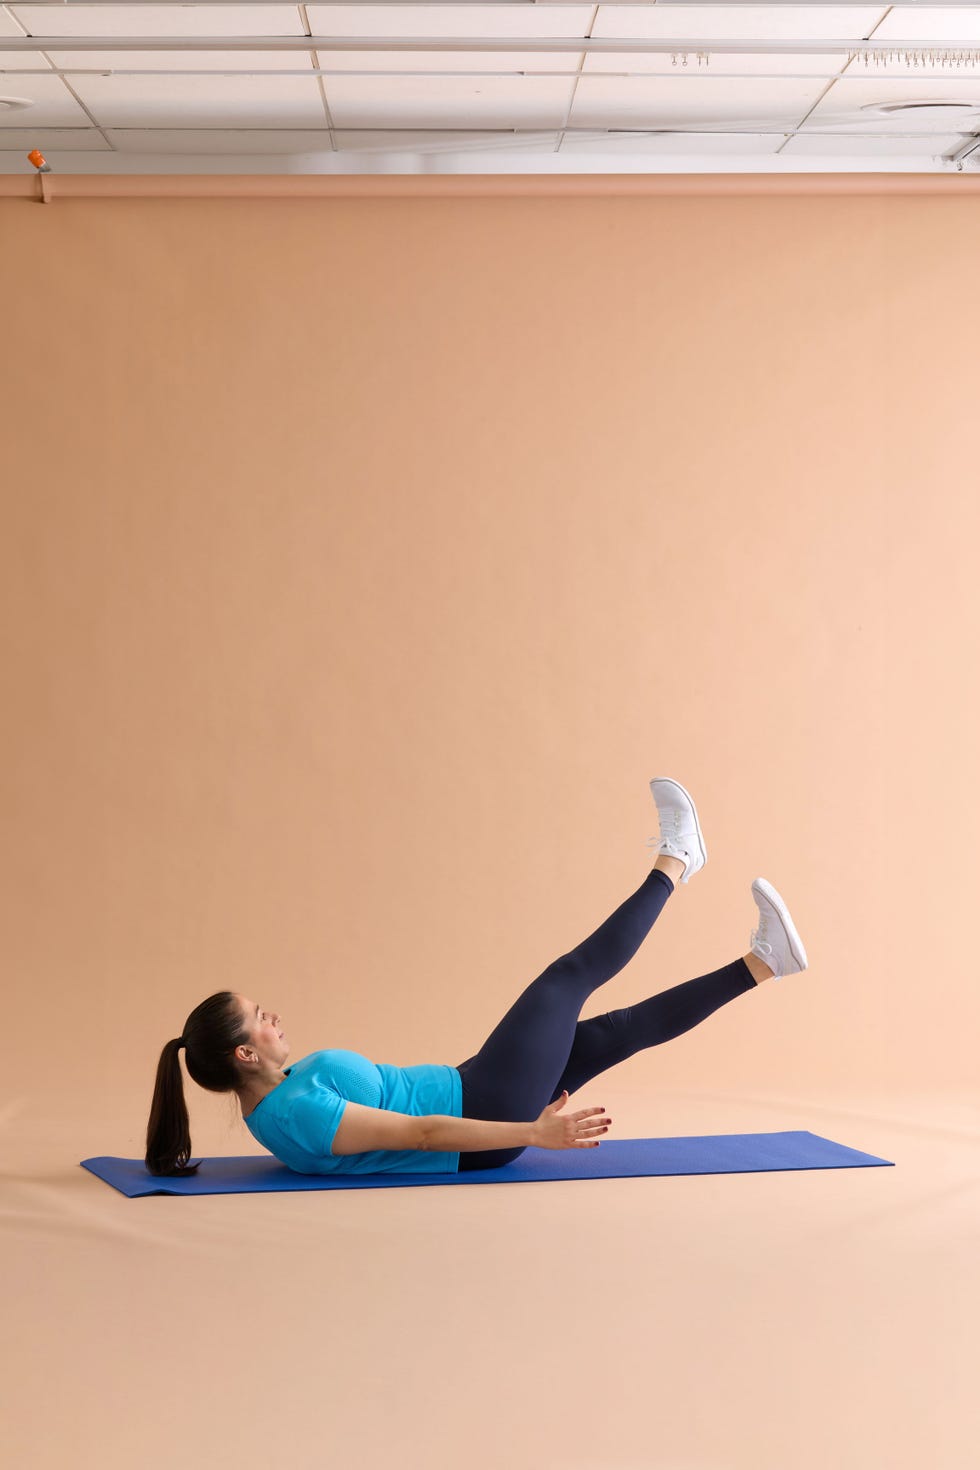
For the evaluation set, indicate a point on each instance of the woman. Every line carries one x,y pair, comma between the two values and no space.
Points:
335,1111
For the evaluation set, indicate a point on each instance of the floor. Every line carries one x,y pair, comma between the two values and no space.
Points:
776,1321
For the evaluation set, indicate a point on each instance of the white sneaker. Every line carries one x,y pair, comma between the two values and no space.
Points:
680,831
776,942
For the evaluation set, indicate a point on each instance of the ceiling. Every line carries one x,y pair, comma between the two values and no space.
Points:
522,86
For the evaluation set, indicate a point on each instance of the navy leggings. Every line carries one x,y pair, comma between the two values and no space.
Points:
540,1048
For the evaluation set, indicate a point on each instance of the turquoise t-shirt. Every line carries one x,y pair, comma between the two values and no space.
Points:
297,1120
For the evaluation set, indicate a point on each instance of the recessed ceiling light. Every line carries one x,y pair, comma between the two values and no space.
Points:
939,110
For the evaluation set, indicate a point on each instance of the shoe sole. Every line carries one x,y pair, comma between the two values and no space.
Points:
669,781
789,928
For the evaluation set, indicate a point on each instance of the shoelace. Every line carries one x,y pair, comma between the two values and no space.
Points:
670,828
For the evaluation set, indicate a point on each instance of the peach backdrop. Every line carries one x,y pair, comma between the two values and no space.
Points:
362,561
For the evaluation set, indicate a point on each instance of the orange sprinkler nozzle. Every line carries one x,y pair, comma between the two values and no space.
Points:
37,158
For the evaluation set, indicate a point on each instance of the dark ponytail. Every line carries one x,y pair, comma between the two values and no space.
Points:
211,1033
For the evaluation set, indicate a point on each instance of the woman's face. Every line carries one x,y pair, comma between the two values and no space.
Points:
268,1037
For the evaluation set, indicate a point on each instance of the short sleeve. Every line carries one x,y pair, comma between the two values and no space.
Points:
314,1118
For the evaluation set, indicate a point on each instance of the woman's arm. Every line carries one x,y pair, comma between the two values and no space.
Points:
553,1129
441,1134
363,1129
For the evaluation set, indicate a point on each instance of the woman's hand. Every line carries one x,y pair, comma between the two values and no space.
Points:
574,1130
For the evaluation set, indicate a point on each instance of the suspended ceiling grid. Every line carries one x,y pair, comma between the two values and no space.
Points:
512,87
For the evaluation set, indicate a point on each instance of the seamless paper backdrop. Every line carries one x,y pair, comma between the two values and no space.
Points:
364,560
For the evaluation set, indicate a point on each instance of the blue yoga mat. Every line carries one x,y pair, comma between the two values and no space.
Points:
721,1153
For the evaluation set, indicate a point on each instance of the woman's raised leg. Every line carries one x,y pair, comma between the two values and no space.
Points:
603,1041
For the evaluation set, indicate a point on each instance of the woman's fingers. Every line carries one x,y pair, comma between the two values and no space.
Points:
589,1130
586,1123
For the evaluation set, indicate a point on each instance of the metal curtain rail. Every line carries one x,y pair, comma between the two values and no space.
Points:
506,133
454,75
596,45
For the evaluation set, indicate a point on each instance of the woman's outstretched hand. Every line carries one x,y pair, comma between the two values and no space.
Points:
573,1130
